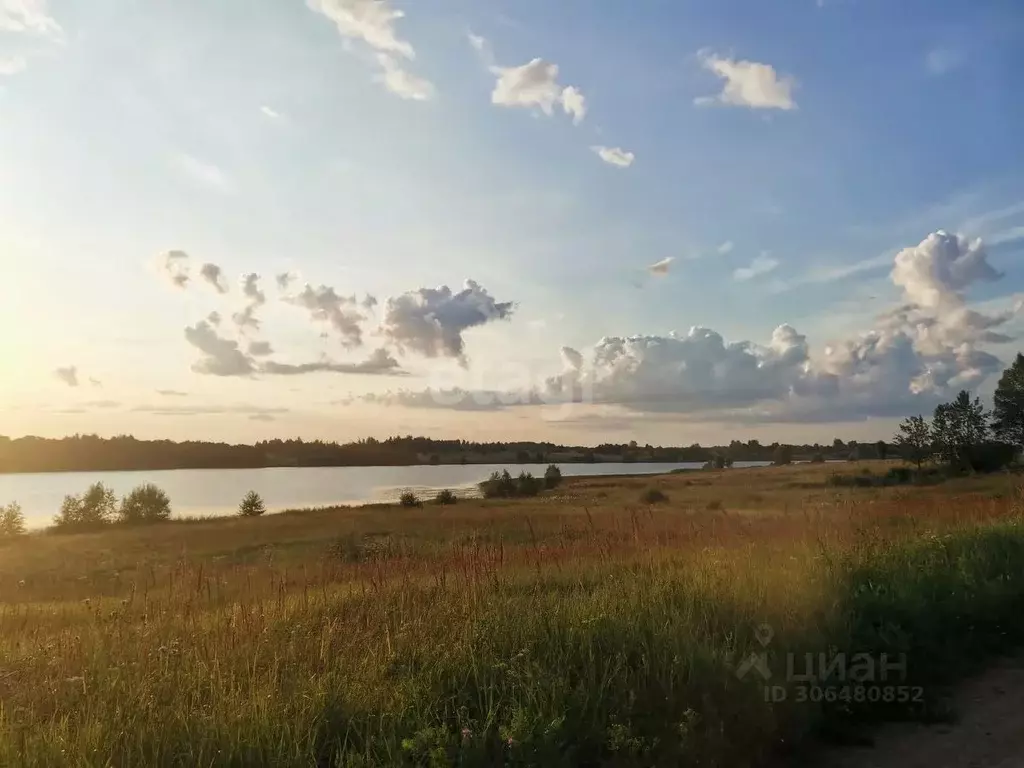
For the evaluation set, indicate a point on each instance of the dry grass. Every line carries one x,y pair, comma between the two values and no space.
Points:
580,627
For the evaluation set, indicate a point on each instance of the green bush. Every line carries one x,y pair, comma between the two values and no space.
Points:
818,458
653,496
93,509
446,497
500,485
409,499
145,504
12,521
552,476
252,505
528,485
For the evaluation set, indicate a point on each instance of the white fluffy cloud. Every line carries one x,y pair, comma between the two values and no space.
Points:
761,265
535,85
339,312
214,275
221,356
29,17
176,266
372,22
246,319
615,156
431,321
748,84
917,355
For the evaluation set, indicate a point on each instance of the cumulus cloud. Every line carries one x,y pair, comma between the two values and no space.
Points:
615,156
761,265
535,85
916,355
401,82
68,375
748,84
726,248
260,348
30,17
661,268
431,321
214,275
373,22
246,319
284,280
213,318
176,267
221,356
339,312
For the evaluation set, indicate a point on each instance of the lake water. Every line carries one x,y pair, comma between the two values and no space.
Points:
218,491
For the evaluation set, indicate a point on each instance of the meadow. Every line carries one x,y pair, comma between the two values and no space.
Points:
580,627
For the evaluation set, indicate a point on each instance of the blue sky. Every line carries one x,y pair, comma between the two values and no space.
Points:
779,155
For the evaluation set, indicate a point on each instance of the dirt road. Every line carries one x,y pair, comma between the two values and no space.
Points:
988,731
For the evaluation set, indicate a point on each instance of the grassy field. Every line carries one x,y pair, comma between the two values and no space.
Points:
581,627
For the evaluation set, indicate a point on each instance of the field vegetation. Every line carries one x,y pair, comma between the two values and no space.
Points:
596,623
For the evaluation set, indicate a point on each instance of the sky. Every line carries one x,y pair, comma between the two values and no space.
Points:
665,221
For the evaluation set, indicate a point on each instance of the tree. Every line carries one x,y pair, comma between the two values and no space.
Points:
882,449
12,521
145,504
1008,413
959,427
914,439
783,455
93,509
552,476
252,505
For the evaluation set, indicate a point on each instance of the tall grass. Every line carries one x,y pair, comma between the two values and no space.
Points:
607,641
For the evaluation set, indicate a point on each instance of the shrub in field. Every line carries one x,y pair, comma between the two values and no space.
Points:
12,521
715,505
145,504
446,497
252,505
653,496
552,476
528,485
500,485
409,499
818,458
93,509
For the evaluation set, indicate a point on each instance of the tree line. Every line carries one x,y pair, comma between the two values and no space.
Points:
963,435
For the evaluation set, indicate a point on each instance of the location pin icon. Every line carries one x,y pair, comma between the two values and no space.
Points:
764,634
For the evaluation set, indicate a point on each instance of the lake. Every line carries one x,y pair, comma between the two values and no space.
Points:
201,492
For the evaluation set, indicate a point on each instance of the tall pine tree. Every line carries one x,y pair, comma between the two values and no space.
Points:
1008,413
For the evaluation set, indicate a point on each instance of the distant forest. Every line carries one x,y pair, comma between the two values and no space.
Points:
93,453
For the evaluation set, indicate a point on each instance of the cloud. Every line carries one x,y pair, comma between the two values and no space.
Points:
939,61
260,348
661,268
761,265
284,280
455,399
918,354
380,363
535,85
247,319
726,248
12,65
102,404
270,112
402,82
480,44
213,318
431,321
171,393
372,22
325,305
615,156
176,266
31,17
748,84
221,356
214,275
68,375
262,417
